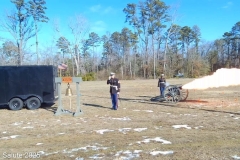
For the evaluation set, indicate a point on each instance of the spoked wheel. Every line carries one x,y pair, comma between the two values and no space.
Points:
15,104
171,98
183,94
33,103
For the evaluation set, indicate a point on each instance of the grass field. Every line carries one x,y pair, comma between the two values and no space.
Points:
205,126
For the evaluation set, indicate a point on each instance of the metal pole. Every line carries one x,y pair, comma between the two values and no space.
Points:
78,110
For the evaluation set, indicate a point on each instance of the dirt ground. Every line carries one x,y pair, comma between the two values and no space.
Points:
205,126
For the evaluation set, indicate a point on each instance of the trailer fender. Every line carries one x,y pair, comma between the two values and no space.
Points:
25,97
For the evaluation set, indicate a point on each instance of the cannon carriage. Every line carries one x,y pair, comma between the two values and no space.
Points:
174,94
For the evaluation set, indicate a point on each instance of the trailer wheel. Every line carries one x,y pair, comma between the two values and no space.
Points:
15,104
33,103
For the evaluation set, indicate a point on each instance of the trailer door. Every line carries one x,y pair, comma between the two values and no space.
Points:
2,86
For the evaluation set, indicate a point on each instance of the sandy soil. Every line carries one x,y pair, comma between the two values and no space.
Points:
205,126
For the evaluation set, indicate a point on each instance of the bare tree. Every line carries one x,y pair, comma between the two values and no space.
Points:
19,27
79,28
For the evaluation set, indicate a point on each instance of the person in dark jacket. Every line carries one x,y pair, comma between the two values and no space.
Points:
162,85
114,90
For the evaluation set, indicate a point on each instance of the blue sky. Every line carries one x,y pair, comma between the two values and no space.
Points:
214,17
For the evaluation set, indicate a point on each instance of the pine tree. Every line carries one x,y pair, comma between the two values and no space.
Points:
36,9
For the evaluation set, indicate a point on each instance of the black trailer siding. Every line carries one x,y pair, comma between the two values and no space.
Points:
26,81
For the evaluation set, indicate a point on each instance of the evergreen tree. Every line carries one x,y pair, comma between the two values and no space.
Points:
36,9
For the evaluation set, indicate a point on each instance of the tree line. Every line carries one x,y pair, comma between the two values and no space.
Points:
152,44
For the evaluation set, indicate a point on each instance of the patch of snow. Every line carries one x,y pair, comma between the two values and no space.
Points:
236,118
154,153
139,129
235,157
79,158
29,123
198,127
40,152
71,156
148,111
157,139
28,127
127,155
124,130
104,130
61,133
181,126
14,136
169,113
137,151
4,132
97,156
85,149
39,144
122,119
17,123
47,154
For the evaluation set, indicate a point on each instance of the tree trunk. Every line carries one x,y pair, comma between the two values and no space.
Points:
154,61
36,42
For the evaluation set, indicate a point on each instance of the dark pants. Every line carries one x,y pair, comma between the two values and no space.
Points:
162,89
114,98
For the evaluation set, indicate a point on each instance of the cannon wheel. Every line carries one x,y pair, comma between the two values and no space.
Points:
177,93
171,98
172,94
183,94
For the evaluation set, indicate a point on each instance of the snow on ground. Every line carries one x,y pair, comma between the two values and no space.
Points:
128,154
157,139
235,157
61,133
181,126
10,137
198,127
39,144
139,129
103,130
154,153
28,127
17,123
122,119
124,130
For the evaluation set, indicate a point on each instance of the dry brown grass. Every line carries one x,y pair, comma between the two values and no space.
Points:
213,115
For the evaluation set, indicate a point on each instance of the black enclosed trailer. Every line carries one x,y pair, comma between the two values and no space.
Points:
27,85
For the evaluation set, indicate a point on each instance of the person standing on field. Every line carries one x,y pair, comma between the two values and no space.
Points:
114,90
162,85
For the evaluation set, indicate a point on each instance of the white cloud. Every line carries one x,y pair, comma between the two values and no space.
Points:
95,8
102,10
108,10
229,4
99,27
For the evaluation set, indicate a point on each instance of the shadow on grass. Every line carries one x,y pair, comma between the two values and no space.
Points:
148,101
48,107
217,111
95,105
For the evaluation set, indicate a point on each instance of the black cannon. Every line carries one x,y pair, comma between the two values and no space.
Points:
174,94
